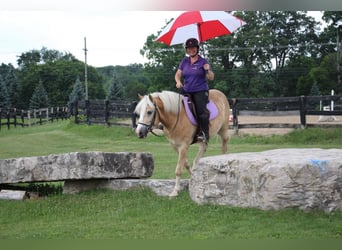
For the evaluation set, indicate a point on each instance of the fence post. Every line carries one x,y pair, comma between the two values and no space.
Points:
29,117
8,116
0,118
235,117
22,118
75,111
64,113
47,115
106,112
302,106
40,117
88,111
52,114
15,117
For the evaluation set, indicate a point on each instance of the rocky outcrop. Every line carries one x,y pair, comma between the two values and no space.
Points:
76,166
275,179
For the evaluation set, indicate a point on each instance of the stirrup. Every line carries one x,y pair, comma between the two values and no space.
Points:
202,137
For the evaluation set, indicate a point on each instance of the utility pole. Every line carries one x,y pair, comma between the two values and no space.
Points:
85,68
338,55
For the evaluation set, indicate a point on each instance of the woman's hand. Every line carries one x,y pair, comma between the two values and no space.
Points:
179,85
178,77
208,72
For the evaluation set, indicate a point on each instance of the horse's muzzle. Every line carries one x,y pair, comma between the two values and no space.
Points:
141,131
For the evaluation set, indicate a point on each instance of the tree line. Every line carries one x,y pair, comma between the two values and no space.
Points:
278,53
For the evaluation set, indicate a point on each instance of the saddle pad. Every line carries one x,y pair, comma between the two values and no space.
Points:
210,106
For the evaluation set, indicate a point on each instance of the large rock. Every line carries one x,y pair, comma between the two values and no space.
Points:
275,179
76,166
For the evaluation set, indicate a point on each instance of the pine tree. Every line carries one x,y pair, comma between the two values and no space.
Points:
116,90
12,87
77,93
4,97
315,90
39,97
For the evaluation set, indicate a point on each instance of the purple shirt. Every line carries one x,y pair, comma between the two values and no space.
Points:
194,74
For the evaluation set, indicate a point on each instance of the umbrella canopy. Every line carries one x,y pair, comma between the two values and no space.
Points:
201,25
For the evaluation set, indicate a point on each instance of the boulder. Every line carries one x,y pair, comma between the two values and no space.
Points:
76,166
271,180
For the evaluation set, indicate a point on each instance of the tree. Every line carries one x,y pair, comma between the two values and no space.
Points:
332,37
78,93
164,60
4,97
57,73
326,75
132,77
116,90
315,90
248,62
11,83
39,98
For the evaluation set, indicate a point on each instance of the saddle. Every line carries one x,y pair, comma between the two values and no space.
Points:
191,112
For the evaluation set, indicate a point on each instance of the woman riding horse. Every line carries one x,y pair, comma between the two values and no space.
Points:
195,71
168,108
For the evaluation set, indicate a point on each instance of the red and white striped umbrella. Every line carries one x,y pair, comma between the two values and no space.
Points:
202,25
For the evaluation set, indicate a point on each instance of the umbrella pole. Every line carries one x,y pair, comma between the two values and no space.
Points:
199,32
200,39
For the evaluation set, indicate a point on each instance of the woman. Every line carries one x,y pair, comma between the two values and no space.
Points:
196,72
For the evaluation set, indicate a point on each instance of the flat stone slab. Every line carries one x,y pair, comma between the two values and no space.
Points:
160,187
76,166
283,178
13,195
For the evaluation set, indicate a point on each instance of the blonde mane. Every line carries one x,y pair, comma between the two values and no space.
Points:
172,101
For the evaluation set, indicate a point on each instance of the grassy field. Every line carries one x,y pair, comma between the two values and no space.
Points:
140,214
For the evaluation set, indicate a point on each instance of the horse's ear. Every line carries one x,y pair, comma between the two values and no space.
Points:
150,97
140,96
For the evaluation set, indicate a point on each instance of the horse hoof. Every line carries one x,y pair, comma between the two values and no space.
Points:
173,194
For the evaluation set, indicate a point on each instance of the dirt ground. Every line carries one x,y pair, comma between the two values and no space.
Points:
282,119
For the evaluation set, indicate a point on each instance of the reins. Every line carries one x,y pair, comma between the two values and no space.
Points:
154,117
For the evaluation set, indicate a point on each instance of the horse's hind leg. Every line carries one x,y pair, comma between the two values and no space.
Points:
224,134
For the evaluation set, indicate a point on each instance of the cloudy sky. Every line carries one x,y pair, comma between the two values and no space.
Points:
113,38
115,32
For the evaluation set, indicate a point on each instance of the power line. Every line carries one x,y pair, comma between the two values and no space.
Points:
249,48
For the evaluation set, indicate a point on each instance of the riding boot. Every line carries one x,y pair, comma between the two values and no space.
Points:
204,125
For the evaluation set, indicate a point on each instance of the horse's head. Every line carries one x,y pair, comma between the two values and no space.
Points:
146,111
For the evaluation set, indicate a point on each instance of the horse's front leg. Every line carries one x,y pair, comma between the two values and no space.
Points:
201,150
182,151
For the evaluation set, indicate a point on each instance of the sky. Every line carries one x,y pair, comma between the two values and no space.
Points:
115,33
113,38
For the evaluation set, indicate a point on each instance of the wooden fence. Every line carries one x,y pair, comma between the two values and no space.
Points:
102,111
14,117
107,112
285,106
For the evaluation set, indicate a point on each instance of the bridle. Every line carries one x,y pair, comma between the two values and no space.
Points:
149,126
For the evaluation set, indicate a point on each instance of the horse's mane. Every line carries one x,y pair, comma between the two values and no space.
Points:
172,101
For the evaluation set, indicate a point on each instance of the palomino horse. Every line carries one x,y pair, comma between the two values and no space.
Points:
167,107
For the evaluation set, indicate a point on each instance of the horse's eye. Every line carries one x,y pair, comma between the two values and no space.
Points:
137,115
150,112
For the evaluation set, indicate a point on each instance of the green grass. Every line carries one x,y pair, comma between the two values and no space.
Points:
139,213
64,136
